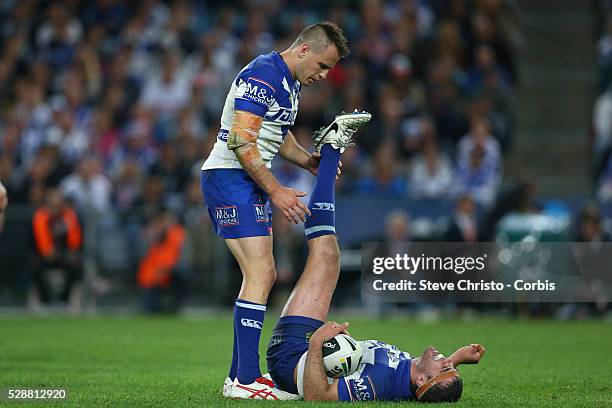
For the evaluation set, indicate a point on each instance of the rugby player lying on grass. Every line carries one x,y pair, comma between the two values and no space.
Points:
385,372
294,354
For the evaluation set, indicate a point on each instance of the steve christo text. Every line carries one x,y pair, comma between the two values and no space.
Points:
463,285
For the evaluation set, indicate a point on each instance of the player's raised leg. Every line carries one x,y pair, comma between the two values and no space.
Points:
308,304
312,294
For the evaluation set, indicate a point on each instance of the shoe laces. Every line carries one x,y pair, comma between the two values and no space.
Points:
346,137
347,131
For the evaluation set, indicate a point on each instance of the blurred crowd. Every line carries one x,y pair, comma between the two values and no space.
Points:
602,113
113,104
116,103
108,108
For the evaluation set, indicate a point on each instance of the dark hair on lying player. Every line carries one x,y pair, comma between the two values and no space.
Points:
444,392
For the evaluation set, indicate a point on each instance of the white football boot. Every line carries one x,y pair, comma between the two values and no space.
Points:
227,387
340,132
261,388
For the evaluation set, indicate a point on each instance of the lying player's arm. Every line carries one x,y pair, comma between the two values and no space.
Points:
316,387
242,140
468,354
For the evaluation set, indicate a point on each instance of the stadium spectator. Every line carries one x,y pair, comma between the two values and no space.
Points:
604,48
463,226
199,237
3,197
397,231
485,72
127,187
88,188
58,241
3,204
478,177
604,177
384,179
602,123
590,226
479,135
431,175
484,31
167,92
158,270
444,101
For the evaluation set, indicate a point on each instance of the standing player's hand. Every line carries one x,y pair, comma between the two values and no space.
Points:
313,164
288,203
328,331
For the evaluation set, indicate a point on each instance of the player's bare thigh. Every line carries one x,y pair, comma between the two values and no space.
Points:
254,256
312,294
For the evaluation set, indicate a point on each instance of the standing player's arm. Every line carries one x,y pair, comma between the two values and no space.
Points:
293,152
242,140
316,387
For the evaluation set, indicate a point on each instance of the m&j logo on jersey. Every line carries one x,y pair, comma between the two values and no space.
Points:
259,91
227,216
261,213
361,389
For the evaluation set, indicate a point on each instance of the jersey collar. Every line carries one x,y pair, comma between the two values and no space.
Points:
280,61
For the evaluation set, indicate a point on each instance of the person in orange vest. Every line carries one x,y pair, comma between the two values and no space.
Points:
157,269
58,240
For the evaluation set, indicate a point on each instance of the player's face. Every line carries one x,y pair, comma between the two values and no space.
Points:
315,66
432,362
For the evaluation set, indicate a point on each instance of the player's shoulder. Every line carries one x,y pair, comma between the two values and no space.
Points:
266,61
264,68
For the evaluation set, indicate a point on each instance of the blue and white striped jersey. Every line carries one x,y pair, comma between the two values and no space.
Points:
384,375
266,88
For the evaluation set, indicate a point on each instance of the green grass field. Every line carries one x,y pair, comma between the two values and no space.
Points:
170,362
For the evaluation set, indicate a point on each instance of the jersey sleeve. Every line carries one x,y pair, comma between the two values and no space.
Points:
356,389
257,89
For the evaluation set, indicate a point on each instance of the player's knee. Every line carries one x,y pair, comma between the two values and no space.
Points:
270,277
262,275
330,254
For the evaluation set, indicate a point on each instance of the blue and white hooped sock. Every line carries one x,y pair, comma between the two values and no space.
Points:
323,199
248,321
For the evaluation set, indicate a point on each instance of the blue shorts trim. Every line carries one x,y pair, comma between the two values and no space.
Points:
289,341
237,206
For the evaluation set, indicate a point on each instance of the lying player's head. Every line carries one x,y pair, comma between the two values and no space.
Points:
437,380
318,48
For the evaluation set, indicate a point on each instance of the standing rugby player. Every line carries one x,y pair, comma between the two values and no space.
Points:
238,185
